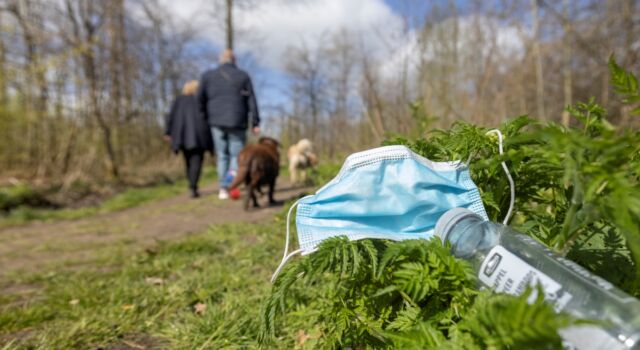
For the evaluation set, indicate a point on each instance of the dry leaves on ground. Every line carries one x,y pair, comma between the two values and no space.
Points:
199,308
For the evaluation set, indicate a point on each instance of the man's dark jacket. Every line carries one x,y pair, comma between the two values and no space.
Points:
187,127
226,98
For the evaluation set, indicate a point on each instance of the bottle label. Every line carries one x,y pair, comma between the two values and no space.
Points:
504,272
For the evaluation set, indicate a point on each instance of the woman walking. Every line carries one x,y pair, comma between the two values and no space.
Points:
188,131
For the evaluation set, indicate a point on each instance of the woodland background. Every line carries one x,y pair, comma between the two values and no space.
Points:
85,85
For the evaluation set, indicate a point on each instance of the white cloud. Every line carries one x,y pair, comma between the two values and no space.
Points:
404,58
188,10
475,36
269,27
507,40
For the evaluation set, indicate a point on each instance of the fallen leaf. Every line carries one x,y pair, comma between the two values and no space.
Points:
199,308
302,337
127,307
74,302
156,281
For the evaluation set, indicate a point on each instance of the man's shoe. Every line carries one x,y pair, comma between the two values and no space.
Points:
223,194
195,194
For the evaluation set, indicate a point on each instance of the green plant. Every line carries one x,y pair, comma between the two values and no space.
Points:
625,84
577,192
20,194
410,294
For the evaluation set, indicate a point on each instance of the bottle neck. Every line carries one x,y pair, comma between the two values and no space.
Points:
471,234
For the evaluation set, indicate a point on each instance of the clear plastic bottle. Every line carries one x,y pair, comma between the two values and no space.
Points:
508,261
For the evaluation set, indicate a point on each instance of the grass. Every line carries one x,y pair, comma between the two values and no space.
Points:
127,199
13,195
202,292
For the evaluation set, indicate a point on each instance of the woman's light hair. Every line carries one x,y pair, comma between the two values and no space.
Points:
190,87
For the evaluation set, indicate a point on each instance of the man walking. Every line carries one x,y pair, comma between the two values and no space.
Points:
227,100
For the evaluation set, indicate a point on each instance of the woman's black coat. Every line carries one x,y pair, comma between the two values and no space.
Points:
187,127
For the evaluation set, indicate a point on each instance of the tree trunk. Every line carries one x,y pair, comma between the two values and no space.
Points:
28,19
373,105
229,26
628,12
566,68
313,104
128,78
112,165
20,10
538,61
69,150
116,112
116,7
3,69
92,78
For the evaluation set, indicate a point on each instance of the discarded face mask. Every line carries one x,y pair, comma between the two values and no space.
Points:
385,193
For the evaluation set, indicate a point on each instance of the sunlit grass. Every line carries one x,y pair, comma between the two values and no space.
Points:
204,291
153,298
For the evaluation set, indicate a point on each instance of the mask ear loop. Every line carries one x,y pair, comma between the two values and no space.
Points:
286,256
512,186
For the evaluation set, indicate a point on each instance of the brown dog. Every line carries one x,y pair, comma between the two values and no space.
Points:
258,165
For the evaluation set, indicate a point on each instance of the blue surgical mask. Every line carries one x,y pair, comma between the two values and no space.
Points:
385,193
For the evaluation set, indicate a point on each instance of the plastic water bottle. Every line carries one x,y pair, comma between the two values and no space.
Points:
508,261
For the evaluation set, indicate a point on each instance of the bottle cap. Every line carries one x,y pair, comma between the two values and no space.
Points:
449,219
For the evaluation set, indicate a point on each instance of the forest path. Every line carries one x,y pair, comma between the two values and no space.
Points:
32,247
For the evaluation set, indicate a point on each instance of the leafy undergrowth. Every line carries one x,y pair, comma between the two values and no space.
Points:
577,192
20,194
399,295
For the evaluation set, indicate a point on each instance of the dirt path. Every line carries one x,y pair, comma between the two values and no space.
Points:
38,245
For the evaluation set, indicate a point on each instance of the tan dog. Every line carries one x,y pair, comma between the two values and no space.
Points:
258,165
301,157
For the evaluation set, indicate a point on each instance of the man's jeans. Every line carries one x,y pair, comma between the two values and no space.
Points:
228,143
